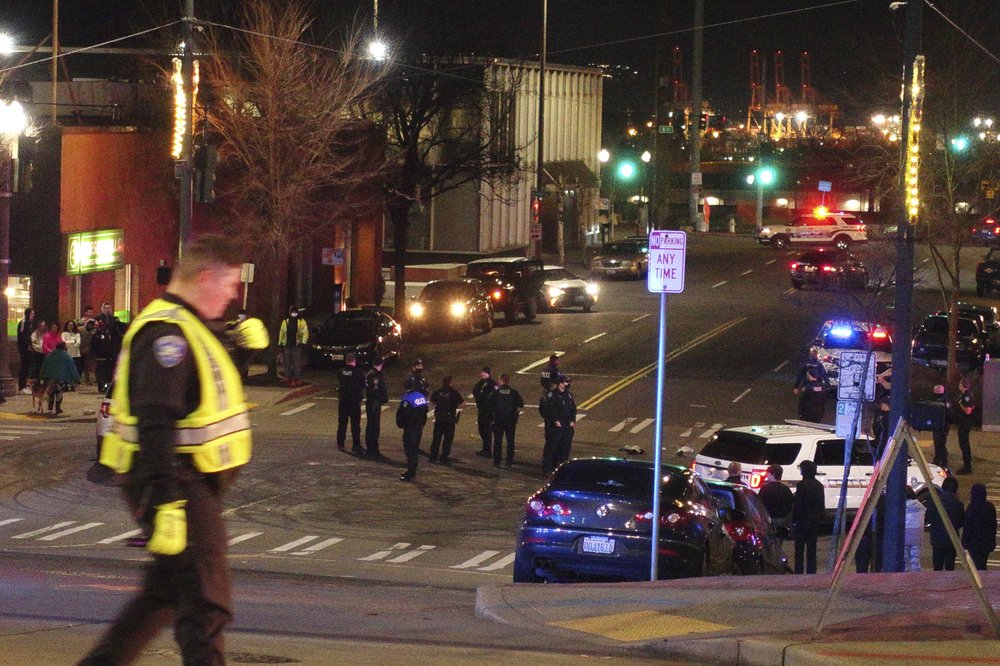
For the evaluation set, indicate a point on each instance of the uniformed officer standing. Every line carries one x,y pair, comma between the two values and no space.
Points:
482,393
550,373
446,403
965,416
376,395
411,417
813,364
547,410
812,397
506,405
180,442
565,407
416,376
941,434
349,396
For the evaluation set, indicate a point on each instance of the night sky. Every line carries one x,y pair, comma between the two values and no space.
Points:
851,43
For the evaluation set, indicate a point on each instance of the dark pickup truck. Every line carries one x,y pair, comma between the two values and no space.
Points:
514,284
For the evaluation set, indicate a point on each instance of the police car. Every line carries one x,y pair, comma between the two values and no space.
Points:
820,228
839,335
756,447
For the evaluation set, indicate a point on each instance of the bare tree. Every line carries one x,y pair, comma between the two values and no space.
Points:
449,123
288,115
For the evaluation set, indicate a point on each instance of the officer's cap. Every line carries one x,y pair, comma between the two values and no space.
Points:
417,362
486,369
553,358
563,379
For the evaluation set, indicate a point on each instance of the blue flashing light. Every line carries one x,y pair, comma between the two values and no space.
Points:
842,331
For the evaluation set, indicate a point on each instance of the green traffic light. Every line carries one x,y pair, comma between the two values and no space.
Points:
626,170
766,175
960,143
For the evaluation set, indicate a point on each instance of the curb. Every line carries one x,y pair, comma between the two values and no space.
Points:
300,392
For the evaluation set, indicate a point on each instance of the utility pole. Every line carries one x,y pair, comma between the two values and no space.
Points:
694,126
55,61
899,399
184,165
536,197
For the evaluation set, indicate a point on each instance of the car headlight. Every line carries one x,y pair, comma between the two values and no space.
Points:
457,309
766,231
592,289
417,310
555,292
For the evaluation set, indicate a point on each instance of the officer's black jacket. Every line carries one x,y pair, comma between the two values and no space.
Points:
564,407
352,384
505,404
482,391
375,387
419,382
550,376
446,403
547,408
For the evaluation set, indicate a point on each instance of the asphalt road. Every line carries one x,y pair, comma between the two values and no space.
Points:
736,337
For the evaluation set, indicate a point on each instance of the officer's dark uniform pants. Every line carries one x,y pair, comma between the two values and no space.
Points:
442,431
552,434
565,444
373,426
941,446
190,591
352,411
501,430
411,447
105,371
485,423
963,445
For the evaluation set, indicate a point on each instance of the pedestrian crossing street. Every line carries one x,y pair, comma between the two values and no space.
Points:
251,542
10,432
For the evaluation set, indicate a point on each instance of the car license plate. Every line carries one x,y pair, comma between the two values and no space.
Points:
599,545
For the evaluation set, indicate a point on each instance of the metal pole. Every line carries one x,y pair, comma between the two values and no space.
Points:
184,164
540,158
899,398
694,192
661,372
760,202
55,60
7,386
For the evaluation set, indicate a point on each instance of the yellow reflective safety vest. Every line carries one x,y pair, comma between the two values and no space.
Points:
217,433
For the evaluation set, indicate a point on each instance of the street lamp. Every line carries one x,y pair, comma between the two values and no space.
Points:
763,176
12,123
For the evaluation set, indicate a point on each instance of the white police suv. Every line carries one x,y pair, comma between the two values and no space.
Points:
820,228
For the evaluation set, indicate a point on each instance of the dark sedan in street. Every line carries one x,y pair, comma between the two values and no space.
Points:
593,521
757,540
828,268
930,344
458,307
366,333
628,258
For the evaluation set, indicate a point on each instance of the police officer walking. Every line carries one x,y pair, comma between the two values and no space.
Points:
965,417
446,403
411,417
547,410
482,392
180,442
350,394
376,395
506,405
550,373
941,434
565,408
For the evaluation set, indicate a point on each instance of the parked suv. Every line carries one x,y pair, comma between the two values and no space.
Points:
511,283
838,229
756,447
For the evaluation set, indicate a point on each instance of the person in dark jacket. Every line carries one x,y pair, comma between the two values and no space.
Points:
550,373
808,509
24,328
942,550
506,405
446,402
965,419
58,369
812,397
411,417
103,346
941,434
376,395
565,408
349,395
776,496
979,529
735,473
547,410
482,393
416,376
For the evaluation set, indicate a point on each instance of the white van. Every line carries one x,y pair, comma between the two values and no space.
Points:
756,447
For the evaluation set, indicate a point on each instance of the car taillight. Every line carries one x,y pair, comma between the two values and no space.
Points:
105,409
794,265
497,294
741,531
544,509
828,268
879,334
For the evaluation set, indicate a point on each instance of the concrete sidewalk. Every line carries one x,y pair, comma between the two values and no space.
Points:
912,618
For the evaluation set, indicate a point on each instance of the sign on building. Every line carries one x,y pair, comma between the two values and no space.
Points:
333,256
92,251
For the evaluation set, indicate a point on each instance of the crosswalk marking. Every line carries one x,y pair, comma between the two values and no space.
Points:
325,543
686,433
292,545
43,530
499,564
72,530
8,521
14,427
10,438
244,537
301,408
642,425
711,431
382,554
621,426
580,417
120,537
417,552
477,560
15,434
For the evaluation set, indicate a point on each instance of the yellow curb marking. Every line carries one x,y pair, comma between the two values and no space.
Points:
640,625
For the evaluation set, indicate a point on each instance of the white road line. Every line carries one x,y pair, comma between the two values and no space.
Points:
747,272
580,417
244,537
477,560
300,408
499,564
325,543
740,396
382,554
9,438
640,317
925,260
8,521
621,425
292,545
14,426
642,425
72,530
708,433
790,290
594,337
32,533
779,366
528,368
416,552
21,433
686,433
719,284
771,262
121,537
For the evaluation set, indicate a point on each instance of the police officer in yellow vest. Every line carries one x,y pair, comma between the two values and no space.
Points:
181,432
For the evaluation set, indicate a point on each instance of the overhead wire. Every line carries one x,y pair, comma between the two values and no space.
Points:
961,31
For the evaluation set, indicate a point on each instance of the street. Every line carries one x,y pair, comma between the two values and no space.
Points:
330,521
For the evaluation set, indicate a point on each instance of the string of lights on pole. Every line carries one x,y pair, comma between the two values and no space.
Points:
181,105
913,140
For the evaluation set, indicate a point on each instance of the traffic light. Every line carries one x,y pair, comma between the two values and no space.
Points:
960,143
626,169
702,122
766,175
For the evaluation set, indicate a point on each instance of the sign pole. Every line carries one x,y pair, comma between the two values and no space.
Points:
661,371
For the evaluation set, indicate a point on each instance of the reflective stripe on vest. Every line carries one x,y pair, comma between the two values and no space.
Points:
217,433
